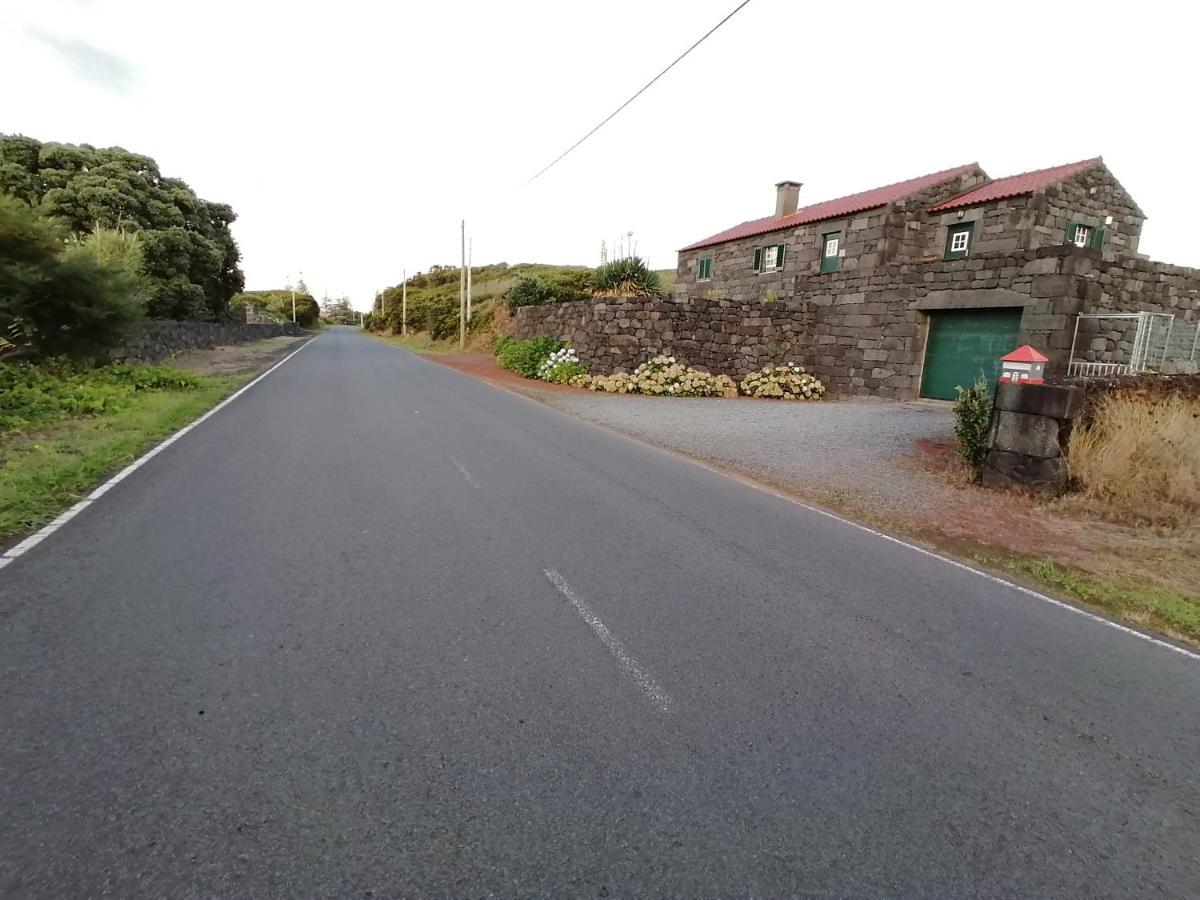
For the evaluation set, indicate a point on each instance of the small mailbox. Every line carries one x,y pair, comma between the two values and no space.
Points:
1024,364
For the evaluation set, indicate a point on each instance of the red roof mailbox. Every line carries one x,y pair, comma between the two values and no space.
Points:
1024,364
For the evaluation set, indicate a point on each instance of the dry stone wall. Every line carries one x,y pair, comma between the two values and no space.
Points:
156,341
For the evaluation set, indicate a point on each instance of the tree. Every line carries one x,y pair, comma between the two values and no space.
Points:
278,304
340,312
58,297
189,255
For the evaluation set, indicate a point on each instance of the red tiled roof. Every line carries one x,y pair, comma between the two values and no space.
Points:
832,209
1025,353
1015,185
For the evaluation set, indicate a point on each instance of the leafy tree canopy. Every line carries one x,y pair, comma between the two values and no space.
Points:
278,304
190,258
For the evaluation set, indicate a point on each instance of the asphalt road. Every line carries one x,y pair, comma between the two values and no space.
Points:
379,629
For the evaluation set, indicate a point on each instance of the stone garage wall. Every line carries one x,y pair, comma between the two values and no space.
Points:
863,331
156,341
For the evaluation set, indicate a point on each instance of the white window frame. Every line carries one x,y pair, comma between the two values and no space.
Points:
832,246
965,245
1084,232
770,258
700,276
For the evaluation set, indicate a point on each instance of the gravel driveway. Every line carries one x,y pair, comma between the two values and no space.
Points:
845,450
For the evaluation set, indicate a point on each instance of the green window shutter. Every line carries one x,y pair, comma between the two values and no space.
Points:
758,259
1097,241
1070,238
828,263
969,230
779,258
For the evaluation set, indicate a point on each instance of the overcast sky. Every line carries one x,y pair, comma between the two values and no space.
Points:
351,137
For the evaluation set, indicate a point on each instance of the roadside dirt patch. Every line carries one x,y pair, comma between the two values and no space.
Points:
236,359
483,366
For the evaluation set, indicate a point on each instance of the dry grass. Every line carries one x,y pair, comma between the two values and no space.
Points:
1140,458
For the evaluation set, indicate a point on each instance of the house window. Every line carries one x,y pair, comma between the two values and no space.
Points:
958,240
705,271
831,245
769,259
1081,235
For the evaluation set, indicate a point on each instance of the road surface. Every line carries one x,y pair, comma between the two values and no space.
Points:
379,629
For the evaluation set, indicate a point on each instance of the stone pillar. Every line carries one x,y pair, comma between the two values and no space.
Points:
1031,425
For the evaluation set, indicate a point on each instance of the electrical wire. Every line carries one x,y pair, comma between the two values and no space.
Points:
644,88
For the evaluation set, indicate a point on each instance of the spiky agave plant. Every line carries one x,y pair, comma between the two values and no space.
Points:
628,276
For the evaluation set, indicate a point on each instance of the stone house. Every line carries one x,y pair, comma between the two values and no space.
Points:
945,334
906,290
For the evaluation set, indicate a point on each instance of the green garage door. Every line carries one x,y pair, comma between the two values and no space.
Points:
964,343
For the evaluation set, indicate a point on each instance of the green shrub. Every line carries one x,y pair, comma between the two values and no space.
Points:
60,299
149,378
627,277
576,284
973,421
557,287
525,357
529,291
35,395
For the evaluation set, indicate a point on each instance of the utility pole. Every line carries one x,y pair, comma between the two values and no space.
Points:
462,286
292,288
404,304
470,248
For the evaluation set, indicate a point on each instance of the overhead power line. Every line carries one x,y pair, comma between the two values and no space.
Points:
643,90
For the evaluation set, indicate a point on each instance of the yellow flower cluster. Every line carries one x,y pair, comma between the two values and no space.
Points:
788,382
662,376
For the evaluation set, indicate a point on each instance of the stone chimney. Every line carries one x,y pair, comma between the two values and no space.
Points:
787,196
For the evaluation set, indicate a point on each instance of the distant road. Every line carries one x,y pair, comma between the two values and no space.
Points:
378,629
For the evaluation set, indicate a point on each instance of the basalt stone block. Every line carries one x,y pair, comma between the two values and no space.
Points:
1017,470
1053,401
1031,435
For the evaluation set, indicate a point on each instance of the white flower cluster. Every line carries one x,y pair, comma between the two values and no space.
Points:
661,376
561,366
788,382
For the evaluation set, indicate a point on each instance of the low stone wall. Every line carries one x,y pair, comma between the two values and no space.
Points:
155,341
615,335
1032,424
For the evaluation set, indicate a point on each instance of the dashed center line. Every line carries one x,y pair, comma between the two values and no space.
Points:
629,665
462,470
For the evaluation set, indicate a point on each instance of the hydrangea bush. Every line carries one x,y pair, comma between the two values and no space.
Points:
661,376
788,382
561,366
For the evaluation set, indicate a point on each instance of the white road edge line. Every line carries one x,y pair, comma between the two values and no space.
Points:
628,664
995,579
45,531
462,470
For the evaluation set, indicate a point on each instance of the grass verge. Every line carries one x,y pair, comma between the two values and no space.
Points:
1135,600
45,470
419,342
